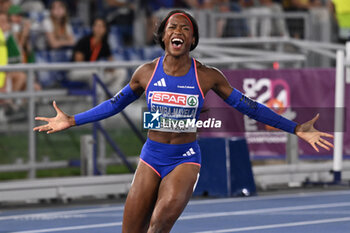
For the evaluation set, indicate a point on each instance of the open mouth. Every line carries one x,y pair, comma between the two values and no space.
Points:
177,42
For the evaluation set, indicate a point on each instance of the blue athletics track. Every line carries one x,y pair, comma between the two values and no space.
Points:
318,212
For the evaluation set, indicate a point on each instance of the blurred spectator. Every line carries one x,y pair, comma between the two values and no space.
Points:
57,27
267,26
18,79
152,20
228,27
193,4
70,4
341,12
95,47
234,27
20,28
5,5
158,4
3,59
152,6
121,14
30,5
296,26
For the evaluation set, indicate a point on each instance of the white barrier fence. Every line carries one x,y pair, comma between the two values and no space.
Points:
223,58
31,95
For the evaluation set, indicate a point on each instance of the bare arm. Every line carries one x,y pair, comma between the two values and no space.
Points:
23,38
213,79
70,40
56,43
78,56
64,121
53,42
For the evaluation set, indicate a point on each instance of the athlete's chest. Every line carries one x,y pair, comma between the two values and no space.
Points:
183,84
174,91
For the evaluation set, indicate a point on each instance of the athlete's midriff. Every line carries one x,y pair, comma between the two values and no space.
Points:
171,138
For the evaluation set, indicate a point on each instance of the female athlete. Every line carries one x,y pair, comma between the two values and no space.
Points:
170,159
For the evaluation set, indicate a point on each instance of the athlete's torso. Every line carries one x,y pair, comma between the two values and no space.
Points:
175,97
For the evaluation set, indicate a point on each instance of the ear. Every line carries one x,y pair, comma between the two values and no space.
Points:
163,36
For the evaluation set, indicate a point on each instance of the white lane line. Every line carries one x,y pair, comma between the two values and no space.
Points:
293,224
72,228
265,210
58,213
194,202
272,197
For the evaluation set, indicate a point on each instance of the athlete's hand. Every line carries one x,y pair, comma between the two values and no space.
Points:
62,121
311,135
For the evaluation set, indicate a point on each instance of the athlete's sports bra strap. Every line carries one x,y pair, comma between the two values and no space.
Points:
197,79
108,108
154,71
259,112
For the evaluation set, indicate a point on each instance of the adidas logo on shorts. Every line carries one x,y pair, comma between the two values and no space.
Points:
189,152
160,83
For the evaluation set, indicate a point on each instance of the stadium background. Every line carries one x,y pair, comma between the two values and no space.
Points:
258,44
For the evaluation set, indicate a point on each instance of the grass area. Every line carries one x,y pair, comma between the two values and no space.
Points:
61,146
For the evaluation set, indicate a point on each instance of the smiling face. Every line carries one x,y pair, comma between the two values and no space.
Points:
178,35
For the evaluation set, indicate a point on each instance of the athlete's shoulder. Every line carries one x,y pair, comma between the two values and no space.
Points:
147,67
207,71
143,74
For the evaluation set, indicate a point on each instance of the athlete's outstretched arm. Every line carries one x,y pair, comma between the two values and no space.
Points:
104,110
265,115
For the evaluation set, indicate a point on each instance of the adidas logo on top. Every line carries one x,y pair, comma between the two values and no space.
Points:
160,83
189,152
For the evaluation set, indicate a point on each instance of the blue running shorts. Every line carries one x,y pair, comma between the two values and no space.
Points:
163,158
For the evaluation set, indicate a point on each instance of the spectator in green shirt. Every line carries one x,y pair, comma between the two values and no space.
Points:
18,78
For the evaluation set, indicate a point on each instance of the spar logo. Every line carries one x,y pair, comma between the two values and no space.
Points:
192,101
173,99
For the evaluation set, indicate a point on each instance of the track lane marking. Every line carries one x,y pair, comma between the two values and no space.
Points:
280,225
68,212
102,225
264,210
272,197
193,202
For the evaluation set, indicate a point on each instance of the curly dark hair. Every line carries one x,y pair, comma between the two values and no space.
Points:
161,28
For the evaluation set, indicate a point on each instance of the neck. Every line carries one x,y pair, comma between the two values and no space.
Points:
60,21
96,39
176,66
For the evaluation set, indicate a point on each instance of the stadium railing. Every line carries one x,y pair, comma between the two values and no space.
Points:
222,58
31,95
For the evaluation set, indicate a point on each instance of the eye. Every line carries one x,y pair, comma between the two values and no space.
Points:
186,29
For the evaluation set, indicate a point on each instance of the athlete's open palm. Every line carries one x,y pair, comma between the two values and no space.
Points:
311,135
60,122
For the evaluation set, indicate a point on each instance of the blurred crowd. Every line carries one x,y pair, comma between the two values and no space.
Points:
91,30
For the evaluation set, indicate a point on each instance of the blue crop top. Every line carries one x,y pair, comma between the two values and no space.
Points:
176,98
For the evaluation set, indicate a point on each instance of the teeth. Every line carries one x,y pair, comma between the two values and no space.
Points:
177,40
